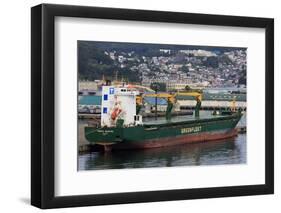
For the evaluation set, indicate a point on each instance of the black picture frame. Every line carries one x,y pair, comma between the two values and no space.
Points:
43,102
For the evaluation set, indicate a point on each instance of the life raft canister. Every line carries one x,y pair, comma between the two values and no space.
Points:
115,113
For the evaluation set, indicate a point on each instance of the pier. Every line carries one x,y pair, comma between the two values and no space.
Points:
144,115
213,105
83,144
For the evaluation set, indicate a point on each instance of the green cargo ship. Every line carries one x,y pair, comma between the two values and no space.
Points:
127,131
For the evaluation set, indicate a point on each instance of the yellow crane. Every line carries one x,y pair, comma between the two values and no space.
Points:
171,100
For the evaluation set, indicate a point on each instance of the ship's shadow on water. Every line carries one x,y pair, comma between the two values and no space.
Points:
231,151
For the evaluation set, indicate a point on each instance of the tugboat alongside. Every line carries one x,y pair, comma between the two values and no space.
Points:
122,127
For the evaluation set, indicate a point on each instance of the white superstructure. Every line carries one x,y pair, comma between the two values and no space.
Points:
118,103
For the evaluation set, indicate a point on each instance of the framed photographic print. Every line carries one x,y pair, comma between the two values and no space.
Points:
139,106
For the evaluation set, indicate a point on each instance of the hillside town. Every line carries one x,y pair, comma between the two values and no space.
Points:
186,67
175,66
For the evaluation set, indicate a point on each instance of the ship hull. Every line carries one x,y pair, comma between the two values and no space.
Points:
162,135
176,140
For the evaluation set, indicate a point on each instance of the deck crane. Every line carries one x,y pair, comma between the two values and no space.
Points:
171,100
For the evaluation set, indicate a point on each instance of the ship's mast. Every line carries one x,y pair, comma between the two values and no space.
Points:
155,87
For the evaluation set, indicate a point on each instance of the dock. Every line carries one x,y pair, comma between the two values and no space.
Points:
144,115
83,144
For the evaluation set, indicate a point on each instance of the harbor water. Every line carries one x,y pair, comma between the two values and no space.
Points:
230,151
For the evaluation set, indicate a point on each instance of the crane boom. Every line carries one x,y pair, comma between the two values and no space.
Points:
171,100
193,94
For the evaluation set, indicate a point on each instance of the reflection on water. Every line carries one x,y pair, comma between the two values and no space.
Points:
231,151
